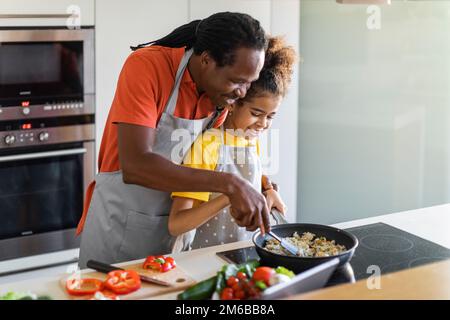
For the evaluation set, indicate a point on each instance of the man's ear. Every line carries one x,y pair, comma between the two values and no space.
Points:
206,60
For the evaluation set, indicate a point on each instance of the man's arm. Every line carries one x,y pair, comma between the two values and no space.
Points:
143,167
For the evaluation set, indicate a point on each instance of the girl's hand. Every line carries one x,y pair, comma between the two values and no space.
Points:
273,200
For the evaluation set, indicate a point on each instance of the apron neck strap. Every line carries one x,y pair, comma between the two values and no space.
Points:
215,116
172,102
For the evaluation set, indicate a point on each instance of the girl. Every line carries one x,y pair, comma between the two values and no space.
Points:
233,148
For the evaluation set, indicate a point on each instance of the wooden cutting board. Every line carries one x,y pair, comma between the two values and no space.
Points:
179,279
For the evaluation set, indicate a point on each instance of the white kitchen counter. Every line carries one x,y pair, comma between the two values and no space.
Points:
431,223
38,264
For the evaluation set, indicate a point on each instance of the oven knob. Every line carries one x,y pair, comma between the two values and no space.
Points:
26,111
10,139
43,136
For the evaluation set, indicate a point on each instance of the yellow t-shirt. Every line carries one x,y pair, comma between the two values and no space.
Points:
204,154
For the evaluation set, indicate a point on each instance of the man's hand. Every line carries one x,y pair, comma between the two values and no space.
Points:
248,206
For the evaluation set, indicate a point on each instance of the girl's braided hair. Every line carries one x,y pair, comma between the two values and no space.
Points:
220,35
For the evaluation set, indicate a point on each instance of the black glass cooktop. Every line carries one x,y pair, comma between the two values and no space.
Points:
381,247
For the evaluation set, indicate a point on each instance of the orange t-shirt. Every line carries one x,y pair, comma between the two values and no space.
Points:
142,92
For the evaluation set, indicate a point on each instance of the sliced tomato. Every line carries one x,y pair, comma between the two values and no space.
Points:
81,287
263,274
123,281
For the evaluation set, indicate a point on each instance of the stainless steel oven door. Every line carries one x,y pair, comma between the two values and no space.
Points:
41,198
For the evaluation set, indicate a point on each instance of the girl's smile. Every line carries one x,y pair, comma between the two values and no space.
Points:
254,116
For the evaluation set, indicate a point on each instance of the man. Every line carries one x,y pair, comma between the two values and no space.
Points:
177,83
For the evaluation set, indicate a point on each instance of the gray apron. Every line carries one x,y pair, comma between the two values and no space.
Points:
245,163
129,222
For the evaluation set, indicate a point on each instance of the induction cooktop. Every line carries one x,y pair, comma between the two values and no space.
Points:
381,247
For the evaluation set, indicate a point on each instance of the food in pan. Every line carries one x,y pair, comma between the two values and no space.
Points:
308,244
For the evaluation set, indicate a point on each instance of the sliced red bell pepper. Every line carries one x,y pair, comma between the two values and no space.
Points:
105,295
171,261
80,287
166,266
123,281
153,265
159,263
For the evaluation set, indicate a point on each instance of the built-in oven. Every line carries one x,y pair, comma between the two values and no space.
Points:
47,139
43,182
46,73
43,179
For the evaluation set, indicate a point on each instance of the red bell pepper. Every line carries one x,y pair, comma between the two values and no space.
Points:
123,281
80,287
105,295
159,263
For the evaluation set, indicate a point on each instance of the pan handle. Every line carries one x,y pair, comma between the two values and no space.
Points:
278,216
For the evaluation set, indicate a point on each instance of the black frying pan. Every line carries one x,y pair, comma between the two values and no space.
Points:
299,264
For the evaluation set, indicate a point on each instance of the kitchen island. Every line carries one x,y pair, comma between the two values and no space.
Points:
431,223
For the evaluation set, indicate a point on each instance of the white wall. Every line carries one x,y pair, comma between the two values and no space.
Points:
374,119
118,26
286,21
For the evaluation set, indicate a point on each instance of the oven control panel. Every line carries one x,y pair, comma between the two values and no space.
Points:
27,110
26,138
44,136
34,132
63,106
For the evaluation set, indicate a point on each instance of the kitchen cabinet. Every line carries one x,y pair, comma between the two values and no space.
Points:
31,13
